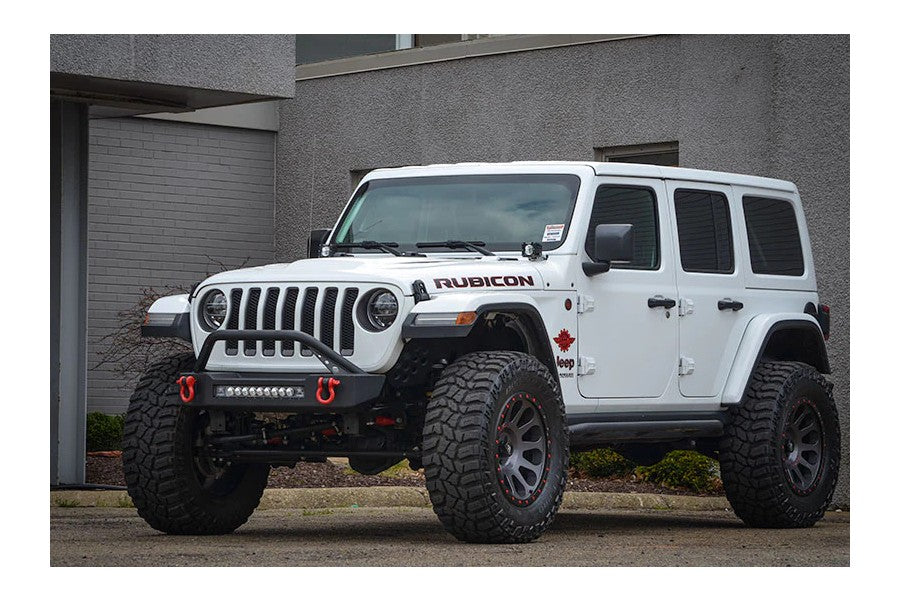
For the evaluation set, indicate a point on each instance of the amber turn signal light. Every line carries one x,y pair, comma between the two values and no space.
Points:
466,318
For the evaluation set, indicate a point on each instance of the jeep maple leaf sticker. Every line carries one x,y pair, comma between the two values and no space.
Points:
564,340
553,233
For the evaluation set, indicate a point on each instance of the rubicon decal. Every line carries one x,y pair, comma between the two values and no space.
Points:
564,340
477,282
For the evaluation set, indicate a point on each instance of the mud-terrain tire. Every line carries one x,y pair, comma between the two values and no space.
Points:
496,448
781,449
162,468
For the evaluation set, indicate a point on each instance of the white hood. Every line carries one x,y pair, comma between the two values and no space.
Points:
400,271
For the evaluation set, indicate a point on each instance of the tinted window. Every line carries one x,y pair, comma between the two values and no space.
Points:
704,232
623,206
312,48
773,236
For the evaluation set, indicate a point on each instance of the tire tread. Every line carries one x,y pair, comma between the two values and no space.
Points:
155,477
455,447
751,471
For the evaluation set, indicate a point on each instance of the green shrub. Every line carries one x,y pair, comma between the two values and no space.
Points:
104,432
601,463
683,469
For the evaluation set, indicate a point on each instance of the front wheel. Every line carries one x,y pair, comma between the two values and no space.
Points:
174,484
496,448
780,453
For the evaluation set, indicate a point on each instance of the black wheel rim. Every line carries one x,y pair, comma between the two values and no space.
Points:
522,450
802,445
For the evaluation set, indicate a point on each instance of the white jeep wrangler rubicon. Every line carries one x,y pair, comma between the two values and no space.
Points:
480,320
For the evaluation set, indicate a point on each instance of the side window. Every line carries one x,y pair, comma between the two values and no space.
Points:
618,205
773,236
704,231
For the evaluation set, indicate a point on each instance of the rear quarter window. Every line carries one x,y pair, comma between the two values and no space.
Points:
773,236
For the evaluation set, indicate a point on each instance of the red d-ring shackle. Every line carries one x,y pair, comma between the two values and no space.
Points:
187,387
331,383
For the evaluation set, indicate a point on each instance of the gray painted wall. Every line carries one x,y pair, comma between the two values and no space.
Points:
163,197
763,105
251,64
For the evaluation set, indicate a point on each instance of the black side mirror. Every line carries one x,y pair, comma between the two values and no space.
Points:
317,239
611,243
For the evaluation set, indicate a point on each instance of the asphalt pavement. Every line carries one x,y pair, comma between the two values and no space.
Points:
408,536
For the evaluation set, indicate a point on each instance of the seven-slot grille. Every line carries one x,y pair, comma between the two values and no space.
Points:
326,313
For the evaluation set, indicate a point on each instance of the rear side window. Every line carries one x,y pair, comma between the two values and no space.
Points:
773,236
618,205
704,231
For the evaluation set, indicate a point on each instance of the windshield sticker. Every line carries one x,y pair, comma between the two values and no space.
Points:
553,233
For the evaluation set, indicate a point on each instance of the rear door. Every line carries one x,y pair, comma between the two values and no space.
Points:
711,305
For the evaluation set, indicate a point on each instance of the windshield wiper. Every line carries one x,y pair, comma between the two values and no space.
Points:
457,245
389,247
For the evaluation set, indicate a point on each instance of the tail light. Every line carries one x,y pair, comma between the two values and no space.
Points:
824,318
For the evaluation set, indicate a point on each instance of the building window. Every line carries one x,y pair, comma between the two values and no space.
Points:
434,39
704,232
318,48
773,236
664,154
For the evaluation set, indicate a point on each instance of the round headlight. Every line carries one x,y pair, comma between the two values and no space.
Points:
382,309
213,309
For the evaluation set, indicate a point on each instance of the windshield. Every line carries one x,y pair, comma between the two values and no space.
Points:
500,210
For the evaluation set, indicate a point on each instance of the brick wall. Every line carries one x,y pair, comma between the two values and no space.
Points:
166,201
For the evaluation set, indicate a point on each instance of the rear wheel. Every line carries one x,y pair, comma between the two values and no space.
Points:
780,453
174,483
496,448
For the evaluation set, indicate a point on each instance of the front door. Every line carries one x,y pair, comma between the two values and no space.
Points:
628,324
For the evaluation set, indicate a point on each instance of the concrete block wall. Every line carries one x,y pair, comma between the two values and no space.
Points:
167,203
775,106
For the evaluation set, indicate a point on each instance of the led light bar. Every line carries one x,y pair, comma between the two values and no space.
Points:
255,391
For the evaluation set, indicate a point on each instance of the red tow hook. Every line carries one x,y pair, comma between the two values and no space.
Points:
329,382
187,387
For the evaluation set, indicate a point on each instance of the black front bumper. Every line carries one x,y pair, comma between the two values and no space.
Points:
352,393
342,387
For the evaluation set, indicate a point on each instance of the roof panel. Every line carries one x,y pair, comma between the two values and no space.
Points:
599,168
